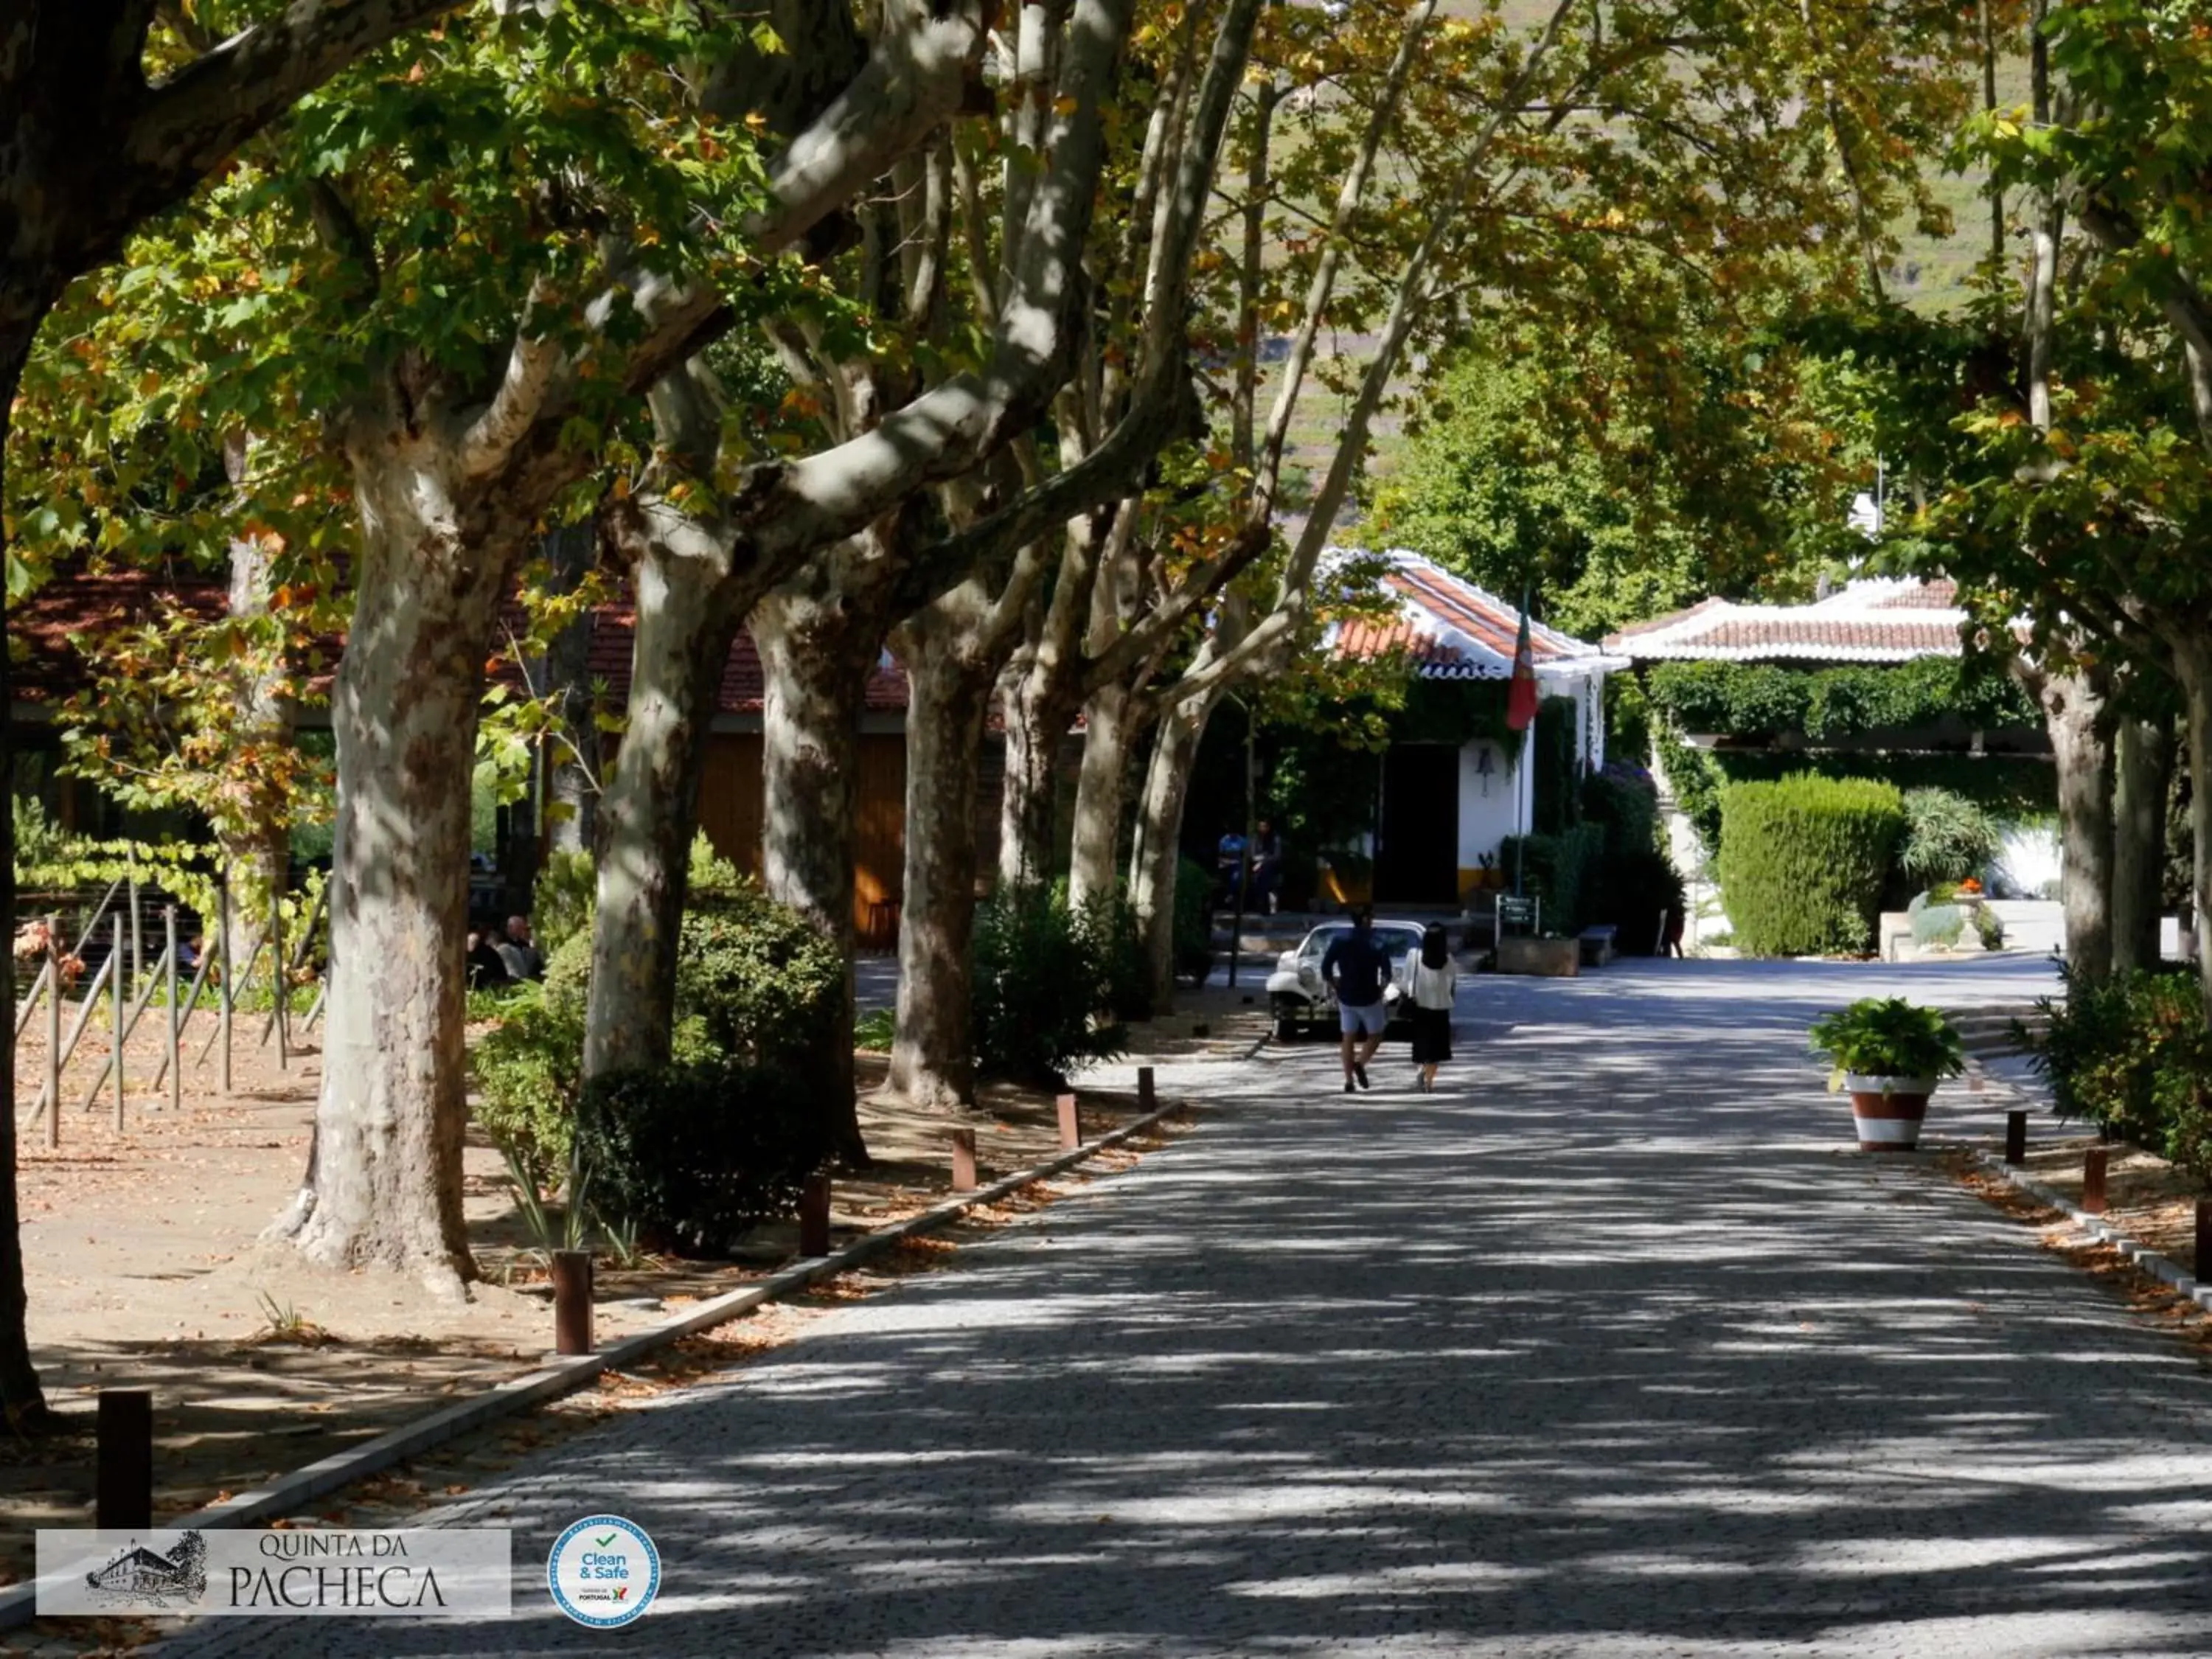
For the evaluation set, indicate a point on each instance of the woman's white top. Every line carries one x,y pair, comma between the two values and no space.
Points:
1430,987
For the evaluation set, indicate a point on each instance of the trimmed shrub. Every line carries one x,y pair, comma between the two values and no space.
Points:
754,983
1194,918
766,986
692,1156
528,1070
1801,863
1626,801
1035,996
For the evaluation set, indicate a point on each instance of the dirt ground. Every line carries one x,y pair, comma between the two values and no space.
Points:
144,1268
2145,1196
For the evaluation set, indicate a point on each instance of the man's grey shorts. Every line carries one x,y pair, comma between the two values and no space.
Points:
1372,1019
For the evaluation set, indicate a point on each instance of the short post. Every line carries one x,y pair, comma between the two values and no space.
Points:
115,984
2093,1180
1148,1098
1200,1029
123,1478
176,1071
222,984
2202,1262
572,1302
963,1161
2016,1138
814,1215
54,1034
1070,1124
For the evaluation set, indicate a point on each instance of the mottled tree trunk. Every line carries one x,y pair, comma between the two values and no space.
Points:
817,648
1156,859
1101,796
685,623
1038,715
2077,713
572,783
2143,757
933,1058
2192,666
385,1177
21,1397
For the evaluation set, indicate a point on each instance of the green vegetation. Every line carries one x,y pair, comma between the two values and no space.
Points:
2132,1054
1802,862
1888,1037
1740,700
1042,987
690,1156
1948,838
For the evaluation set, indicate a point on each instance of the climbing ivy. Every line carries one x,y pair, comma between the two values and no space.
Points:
1734,699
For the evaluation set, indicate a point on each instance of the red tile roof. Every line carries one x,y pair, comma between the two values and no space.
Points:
1877,620
1453,629
51,669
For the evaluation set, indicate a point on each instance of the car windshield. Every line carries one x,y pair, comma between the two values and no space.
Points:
1394,940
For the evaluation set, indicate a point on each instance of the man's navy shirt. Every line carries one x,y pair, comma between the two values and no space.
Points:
1363,968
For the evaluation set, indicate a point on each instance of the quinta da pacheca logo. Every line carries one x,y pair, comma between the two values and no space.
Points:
413,1571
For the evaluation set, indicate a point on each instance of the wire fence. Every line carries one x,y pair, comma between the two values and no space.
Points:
108,956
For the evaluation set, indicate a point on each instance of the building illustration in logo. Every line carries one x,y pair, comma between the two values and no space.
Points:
138,1576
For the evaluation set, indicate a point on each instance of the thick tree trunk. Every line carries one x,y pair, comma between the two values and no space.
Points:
385,1177
817,647
2077,713
2142,755
1157,857
933,1058
1101,792
1038,713
686,623
2192,665
21,1397
572,784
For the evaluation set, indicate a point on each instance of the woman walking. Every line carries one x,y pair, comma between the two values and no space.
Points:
1431,979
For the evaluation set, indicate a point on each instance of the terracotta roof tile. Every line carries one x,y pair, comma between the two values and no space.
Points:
1885,620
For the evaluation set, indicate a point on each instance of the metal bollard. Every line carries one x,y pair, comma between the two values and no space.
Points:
1148,1099
1070,1124
2016,1138
123,1478
572,1302
814,1216
963,1161
2093,1180
2202,1263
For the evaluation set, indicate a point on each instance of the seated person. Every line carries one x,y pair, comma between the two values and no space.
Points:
521,955
487,970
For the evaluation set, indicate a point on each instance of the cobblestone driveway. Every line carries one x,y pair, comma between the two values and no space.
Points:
1610,1351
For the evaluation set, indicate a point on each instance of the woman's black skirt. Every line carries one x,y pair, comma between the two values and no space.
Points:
1432,1036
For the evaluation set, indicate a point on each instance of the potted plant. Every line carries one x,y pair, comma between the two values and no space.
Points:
1890,1054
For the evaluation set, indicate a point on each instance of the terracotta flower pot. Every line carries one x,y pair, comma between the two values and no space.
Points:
1889,1110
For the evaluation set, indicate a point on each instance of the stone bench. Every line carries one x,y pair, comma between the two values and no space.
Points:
1597,947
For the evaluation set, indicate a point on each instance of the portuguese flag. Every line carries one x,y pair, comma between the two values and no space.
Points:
1521,694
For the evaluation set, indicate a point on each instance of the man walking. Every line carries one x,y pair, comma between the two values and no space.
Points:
1359,968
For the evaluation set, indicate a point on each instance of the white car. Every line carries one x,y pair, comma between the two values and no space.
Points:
1296,993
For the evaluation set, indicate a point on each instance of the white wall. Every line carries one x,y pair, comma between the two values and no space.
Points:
1486,802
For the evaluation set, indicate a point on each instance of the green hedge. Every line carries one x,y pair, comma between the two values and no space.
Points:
1802,862
1733,699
